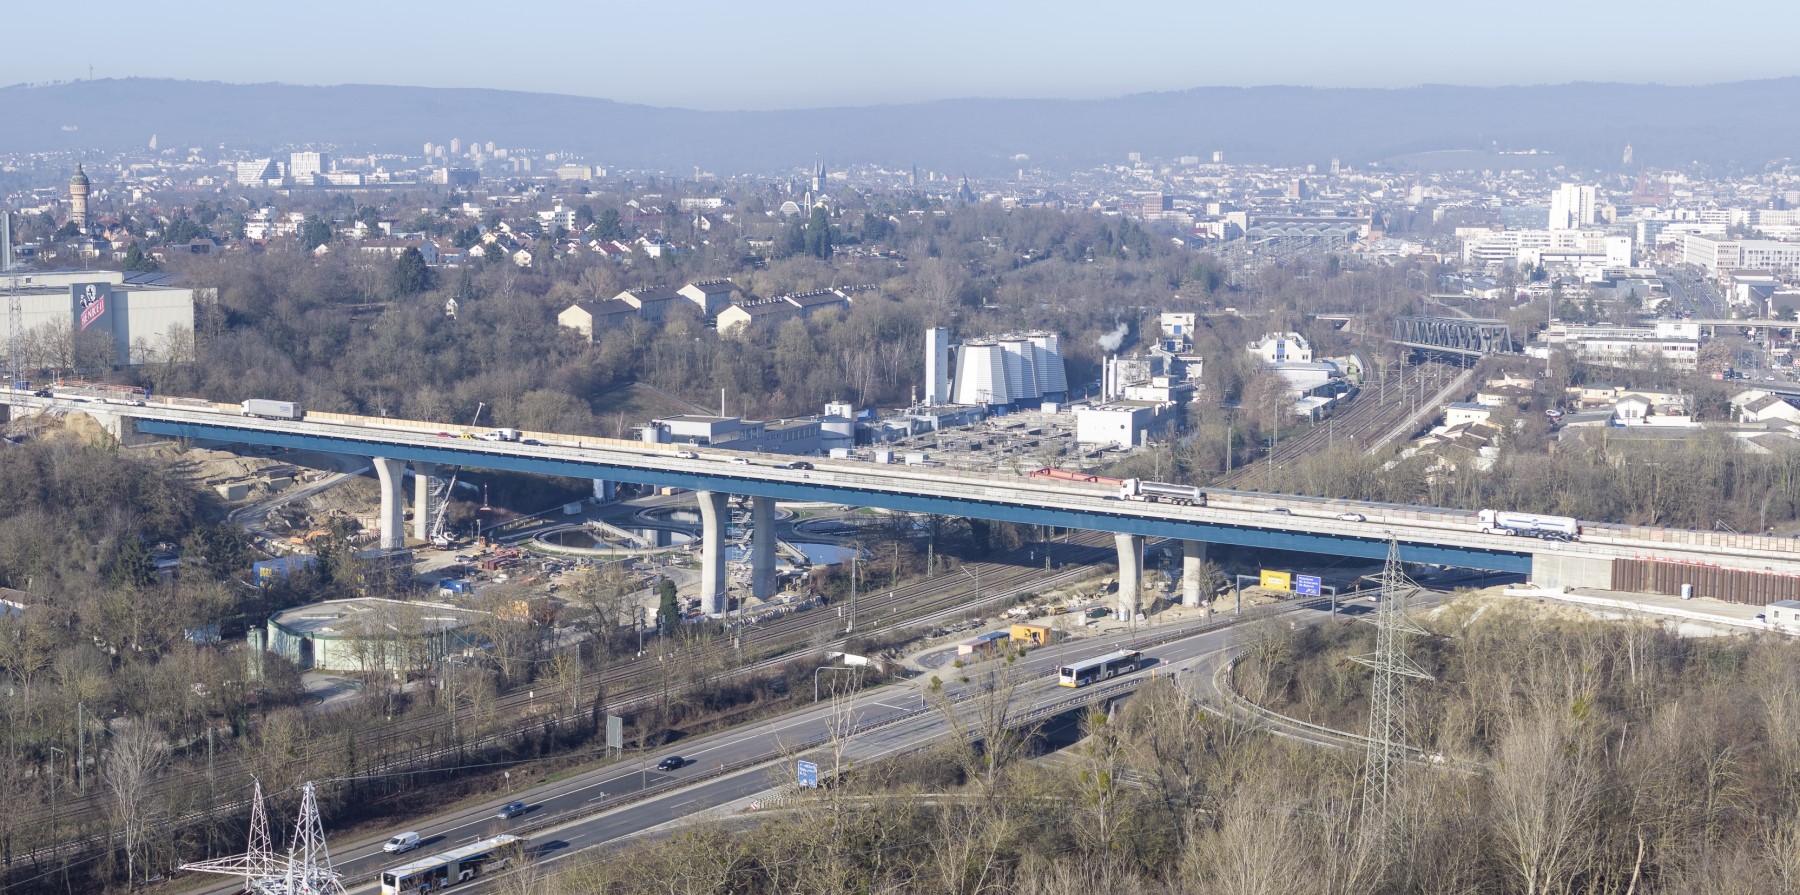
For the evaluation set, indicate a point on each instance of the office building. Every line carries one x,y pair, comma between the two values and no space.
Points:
305,167
1572,207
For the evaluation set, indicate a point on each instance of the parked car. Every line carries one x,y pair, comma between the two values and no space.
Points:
511,810
672,763
403,842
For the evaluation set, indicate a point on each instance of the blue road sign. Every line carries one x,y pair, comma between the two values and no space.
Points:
809,774
1307,585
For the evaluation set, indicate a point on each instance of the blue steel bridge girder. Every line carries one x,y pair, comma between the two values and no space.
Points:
1087,519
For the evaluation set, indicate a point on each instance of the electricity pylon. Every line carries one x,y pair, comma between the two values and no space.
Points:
1387,692
305,871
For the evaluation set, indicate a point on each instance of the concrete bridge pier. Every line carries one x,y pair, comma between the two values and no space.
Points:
424,480
392,475
1193,555
713,593
1131,572
762,547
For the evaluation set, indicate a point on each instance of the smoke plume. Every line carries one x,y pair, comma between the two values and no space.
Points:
1112,340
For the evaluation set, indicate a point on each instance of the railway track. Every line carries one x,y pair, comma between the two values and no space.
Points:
417,744
1367,419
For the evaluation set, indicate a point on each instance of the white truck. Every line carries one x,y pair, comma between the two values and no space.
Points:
1161,492
1532,525
273,410
503,435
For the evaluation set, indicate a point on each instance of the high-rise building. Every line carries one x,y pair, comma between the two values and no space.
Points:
455,146
304,166
428,149
1572,207
1626,160
258,171
78,196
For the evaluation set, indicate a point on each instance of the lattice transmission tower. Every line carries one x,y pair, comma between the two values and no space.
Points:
1387,692
305,871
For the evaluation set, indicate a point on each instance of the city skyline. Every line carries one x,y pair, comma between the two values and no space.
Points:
816,54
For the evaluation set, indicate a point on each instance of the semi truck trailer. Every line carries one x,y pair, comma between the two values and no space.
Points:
273,410
1160,492
1532,525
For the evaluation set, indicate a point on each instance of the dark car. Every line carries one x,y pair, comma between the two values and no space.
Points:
510,810
672,763
42,393
532,442
800,464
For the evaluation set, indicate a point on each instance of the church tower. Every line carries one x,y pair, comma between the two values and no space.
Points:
78,195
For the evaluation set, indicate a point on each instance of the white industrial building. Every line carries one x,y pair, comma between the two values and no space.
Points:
84,316
1122,425
368,634
1019,370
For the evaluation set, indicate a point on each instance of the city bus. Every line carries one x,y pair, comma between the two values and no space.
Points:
1098,668
458,865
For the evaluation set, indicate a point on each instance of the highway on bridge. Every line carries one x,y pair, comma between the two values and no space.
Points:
1266,521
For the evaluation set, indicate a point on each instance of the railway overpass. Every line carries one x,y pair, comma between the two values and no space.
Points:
1248,519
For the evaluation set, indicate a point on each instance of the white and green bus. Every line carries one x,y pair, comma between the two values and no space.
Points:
1099,668
458,865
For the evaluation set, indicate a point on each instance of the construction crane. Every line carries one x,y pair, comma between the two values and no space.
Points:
439,535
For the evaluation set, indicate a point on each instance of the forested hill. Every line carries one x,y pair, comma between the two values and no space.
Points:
1588,124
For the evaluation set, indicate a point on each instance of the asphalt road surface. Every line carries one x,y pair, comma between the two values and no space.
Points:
744,764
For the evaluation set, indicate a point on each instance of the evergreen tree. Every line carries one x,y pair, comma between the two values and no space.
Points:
314,233
132,567
668,612
138,262
411,276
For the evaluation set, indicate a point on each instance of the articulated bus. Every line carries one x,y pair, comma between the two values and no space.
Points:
458,865
1098,668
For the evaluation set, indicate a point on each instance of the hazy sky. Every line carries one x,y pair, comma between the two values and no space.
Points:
759,54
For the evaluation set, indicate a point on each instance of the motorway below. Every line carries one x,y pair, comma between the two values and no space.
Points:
756,762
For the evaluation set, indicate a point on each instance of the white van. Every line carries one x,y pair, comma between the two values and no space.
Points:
404,842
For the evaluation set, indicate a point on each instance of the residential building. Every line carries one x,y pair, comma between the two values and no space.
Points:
591,317
1281,348
711,296
652,302
1572,207
745,318
305,167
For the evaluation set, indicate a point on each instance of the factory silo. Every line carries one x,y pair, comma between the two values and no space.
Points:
1052,376
981,374
1021,369
937,366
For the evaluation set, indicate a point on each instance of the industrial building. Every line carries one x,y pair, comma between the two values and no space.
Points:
1018,370
369,634
99,317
